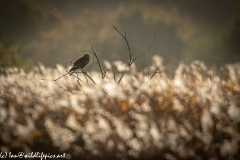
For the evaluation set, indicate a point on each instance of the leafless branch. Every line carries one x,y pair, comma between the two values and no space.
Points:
129,51
78,83
61,77
148,71
114,76
90,66
103,72
147,49
51,79
85,74
94,53
78,79
121,77
156,71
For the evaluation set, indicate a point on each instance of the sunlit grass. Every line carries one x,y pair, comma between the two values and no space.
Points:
194,115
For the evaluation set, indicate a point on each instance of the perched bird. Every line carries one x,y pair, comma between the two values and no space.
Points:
80,63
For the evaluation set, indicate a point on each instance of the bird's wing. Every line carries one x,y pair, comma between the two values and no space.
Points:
77,63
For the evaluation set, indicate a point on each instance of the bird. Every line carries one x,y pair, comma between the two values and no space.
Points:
80,63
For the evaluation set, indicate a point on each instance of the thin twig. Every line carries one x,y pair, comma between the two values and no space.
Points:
125,38
154,74
105,71
61,76
85,74
121,77
100,67
147,49
90,78
76,76
90,66
78,83
129,51
114,76
131,61
51,79
92,61
148,71
156,71
85,77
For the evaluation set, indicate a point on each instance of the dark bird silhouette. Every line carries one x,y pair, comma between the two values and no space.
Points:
80,63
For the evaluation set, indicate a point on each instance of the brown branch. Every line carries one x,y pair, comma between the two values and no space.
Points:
147,49
90,78
85,74
51,79
129,51
154,74
131,61
125,38
78,79
114,76
148,71
103,71
156,71
121,77
100,67
90,66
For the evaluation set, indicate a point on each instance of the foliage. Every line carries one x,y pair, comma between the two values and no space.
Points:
194,115
9,58
231,36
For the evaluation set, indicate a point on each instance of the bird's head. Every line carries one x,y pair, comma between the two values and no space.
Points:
86,56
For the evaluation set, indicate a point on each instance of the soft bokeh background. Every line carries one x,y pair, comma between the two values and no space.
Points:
56,31
135,112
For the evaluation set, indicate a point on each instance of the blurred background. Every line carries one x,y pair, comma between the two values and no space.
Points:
55,31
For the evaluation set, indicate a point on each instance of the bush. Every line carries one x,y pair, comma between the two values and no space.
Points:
195,115
10,58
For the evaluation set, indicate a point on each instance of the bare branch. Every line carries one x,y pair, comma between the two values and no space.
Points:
147,49
121,77
85,77
114,76
154,74
61,76
78,79
85,73
105,71
156,71
100,67
148,71
125,38
90,66
131,61
129,51
78,83
51,79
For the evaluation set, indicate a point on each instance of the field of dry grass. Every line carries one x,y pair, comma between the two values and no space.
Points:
194,115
